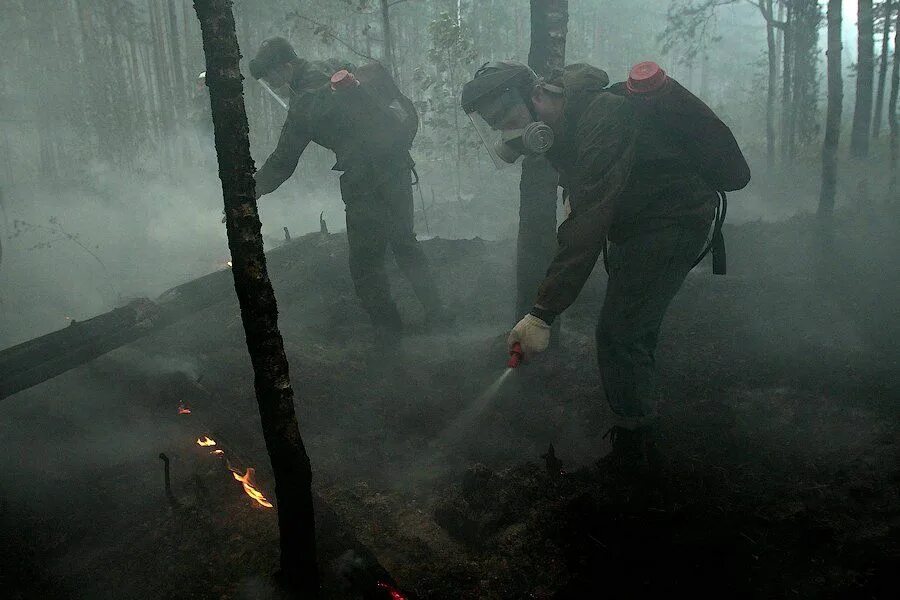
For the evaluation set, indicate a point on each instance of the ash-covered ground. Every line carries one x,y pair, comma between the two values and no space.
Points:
779,432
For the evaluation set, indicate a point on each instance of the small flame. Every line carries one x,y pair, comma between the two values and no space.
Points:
247,481
183,410
205,441
394,592
217,451
228,263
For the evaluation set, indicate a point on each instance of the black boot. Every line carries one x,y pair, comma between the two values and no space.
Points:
633,455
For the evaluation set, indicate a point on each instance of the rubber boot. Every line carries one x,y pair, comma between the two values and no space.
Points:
634,455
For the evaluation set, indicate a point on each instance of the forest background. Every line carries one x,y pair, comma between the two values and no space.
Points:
108,187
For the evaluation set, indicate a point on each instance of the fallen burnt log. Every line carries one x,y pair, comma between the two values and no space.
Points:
45,357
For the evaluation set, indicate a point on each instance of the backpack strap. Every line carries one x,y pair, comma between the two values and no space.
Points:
716,243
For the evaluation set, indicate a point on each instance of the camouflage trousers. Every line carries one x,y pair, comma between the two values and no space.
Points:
380,215
645,273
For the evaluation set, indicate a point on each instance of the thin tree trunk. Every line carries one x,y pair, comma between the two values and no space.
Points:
779,33
833,119
772,84
163,88
177,61
536,243
888,8
388,39
787,87
893,196
457,130
804,121
865,71
704,77
259,312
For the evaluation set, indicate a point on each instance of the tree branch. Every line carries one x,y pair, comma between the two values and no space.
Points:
326,31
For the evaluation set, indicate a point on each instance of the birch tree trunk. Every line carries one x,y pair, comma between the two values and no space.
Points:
865,71
833,118
536,243
888,7
259,312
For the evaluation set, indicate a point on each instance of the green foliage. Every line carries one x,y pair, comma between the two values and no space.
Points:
451,56
691,26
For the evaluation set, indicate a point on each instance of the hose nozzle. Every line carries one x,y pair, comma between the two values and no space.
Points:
515,356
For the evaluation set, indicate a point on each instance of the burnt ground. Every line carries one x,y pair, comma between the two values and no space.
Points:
778,431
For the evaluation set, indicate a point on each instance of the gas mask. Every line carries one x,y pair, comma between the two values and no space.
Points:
508,129
534,138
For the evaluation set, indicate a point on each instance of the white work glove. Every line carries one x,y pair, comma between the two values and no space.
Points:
532,333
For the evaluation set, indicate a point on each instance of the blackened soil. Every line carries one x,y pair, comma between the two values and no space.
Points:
778,440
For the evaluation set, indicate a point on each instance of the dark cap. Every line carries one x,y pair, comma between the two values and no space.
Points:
272,52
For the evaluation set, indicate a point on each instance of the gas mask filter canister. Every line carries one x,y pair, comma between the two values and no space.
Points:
534,138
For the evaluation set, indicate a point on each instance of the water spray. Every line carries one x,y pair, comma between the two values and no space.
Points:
274,95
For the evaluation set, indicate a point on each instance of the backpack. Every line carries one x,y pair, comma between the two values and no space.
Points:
375,107
707,141
377,81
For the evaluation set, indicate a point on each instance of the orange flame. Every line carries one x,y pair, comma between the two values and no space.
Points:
205,441
183,410
247,481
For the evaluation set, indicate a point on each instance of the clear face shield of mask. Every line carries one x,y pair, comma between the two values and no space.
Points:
508,130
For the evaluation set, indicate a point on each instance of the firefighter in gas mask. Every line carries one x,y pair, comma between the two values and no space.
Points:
629,182
361,115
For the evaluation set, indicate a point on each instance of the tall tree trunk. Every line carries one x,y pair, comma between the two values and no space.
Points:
766,8
388,38
704,78
536,243
888,8
163,88
865,71
787,87
259,312
779,32
804,123
833,119
893,196
177,61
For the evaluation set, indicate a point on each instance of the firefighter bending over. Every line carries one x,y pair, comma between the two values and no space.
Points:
361,116
640,165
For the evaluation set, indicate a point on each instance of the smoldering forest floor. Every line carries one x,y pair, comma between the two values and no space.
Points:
779,431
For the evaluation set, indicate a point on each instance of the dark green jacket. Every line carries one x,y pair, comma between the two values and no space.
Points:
623,176
317,114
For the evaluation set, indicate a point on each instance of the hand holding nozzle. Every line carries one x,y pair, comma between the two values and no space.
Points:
515,356
530,336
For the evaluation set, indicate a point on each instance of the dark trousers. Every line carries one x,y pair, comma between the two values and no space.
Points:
645,273
380,214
